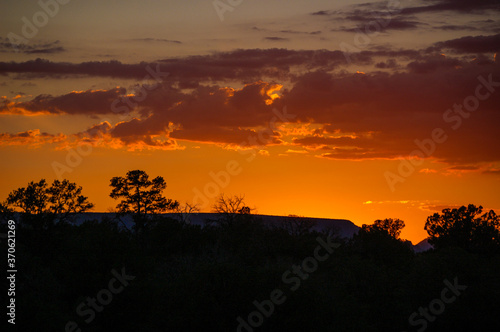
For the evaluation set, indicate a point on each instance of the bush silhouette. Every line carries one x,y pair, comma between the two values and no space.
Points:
466,228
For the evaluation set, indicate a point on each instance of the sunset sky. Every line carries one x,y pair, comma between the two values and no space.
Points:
341,109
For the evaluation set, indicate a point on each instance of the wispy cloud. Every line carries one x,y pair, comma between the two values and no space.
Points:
31,48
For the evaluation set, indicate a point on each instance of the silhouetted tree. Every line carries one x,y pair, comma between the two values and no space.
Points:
380,242
140,196
390,226
466,228
32,200
61,197
66,197
58,201
229,207
185,211
5,211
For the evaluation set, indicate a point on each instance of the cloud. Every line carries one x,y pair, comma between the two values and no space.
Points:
433,63
389,64
358,154
237,117
321,13
464,168
100,135
188,72
295,32
231,136
451,27
428,171
492,171
44,50
371,24
30,138
472,44
372,116
389,202
287,31
337,142
279,39
240,65
161,40
453,5
212,115
347,115
384,16
388,113
33,48
438,208
46,68
88,102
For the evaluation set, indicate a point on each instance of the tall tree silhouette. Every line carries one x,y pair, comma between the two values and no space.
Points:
465,227
140,196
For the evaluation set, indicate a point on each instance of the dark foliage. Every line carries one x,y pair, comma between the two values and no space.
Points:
189,278
466,228
141,197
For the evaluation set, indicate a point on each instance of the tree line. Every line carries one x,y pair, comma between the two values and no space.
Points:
202,278
143,198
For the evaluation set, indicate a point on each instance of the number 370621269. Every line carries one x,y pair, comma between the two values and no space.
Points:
11,240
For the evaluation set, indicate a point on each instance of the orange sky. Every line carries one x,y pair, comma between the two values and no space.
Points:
360,112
